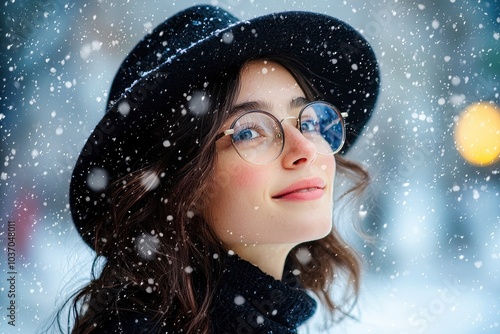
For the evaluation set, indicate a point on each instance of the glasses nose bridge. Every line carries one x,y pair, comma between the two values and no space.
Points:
297,121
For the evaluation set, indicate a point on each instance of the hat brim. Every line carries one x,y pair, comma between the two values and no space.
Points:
342,67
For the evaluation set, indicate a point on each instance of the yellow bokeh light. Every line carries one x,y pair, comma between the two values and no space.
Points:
477,134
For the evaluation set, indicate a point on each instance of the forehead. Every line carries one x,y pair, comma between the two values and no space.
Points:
267,81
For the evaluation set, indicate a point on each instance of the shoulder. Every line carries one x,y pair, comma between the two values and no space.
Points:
129,311
129,322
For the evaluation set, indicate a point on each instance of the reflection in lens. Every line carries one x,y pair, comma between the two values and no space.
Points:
330,124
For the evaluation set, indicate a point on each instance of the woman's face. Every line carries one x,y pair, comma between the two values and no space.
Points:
286,201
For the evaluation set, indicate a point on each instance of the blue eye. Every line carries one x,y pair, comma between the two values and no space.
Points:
245,134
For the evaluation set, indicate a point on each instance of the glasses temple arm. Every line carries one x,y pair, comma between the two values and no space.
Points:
225,133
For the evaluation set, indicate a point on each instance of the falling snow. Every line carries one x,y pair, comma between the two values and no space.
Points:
432,261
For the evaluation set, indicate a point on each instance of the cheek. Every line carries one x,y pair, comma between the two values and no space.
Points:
328,165
233,189
240,175
225,189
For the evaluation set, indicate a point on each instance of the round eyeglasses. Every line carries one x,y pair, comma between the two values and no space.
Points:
258,136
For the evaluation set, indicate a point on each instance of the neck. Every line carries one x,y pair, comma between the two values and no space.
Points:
269,258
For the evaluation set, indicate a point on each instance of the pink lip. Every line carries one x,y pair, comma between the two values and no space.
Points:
308,189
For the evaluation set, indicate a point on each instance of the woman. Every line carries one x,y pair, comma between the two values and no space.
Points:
207,187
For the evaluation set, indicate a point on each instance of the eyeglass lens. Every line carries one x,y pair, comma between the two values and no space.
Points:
258,137
328,134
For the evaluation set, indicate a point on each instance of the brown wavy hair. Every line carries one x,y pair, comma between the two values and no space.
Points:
152,239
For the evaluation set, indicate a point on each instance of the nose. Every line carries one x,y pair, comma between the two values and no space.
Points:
298,150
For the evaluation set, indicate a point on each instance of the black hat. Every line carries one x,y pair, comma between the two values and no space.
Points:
172,64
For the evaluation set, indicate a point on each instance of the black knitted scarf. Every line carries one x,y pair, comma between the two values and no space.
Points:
250,301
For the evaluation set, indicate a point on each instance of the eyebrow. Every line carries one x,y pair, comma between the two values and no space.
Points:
299,102
296,102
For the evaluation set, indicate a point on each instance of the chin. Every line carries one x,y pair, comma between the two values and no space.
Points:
314,232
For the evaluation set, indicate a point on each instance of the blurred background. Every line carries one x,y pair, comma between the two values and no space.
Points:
433,148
